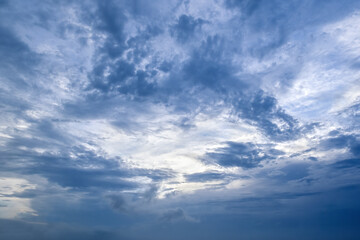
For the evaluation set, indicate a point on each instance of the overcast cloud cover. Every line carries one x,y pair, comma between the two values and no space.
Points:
158,120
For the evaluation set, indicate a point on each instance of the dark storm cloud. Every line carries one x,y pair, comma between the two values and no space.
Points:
185,28
122,78
174,215
355,148
263,111
17,68
110,74
118,203
209,67
69,169
351,142
340,141
237,154
244,155
293,172
313,158
129,202
82,178
119,73
150,193
18,55
347,163
110,19
70,172
204,177
275,152
165,66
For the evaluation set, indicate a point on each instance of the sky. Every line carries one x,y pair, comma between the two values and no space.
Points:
179,119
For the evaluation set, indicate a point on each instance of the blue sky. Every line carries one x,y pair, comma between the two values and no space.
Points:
207,119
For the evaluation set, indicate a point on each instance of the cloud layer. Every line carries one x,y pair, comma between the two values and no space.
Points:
179,119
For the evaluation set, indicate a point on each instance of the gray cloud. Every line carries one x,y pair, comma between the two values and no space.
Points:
175,215
244,155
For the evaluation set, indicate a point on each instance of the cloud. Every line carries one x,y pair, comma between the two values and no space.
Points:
264,112
209,67
347,163
176,215
292,172
186,27
109,108
244,155
150,193
269,24
342,141
204,177
19,55
118,203
69,169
